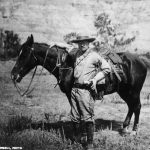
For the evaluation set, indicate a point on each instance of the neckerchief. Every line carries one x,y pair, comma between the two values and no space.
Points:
83,56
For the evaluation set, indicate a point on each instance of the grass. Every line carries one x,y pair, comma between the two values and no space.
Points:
31,139
38,139
108,141
18,132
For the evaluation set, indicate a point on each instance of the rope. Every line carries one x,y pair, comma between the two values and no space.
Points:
26,92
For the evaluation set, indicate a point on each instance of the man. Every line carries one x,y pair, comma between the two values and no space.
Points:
90,68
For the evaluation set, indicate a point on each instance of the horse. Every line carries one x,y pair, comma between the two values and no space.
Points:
60,63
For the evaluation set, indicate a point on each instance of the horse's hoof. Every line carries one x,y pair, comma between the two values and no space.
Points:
125,131
133,133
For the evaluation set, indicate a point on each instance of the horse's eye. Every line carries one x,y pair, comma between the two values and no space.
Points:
23,55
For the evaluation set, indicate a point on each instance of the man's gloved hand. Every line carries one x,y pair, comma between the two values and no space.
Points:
93,86
92,83
88,83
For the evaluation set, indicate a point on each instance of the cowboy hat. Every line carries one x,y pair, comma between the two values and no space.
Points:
82,39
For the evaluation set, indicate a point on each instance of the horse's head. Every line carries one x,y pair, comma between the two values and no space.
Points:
25,61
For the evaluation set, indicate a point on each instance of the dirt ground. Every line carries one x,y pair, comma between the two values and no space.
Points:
45,99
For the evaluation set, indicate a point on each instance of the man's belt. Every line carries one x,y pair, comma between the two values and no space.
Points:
82,86
86,87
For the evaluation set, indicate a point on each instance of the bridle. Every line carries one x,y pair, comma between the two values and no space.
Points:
58,65
26,92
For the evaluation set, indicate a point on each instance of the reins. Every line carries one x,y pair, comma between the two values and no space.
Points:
26,92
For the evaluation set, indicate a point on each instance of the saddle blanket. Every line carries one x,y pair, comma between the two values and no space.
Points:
68,47
114,57
115,62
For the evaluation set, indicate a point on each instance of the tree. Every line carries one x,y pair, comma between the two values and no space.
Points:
107,36
70,36
11,44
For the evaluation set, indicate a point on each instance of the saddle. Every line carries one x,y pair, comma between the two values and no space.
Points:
116,64
114,57
113,79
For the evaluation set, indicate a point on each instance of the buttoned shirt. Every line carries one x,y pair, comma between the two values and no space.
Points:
88,65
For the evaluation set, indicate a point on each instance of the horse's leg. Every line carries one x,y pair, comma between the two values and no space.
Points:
127,98
137,109
134,106
127,120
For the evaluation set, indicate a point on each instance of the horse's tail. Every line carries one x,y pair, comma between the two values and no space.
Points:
146,61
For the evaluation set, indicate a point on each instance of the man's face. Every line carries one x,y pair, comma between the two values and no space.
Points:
83,46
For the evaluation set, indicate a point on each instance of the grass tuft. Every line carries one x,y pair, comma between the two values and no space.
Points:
17,123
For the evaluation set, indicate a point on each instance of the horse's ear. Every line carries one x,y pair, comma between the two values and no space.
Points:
30,40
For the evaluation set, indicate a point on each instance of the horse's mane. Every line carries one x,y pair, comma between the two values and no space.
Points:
70,55
73,54
47,45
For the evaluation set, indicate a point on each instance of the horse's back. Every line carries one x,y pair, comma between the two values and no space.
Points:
134,68
133,60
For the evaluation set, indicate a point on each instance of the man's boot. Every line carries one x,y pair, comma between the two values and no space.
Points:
90,135
76,132
79,133
83,132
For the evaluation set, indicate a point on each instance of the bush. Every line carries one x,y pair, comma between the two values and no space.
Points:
10,45
70,36
17,123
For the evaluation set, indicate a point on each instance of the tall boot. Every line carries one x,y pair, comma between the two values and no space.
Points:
76,132
83,133
79,133
90,135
